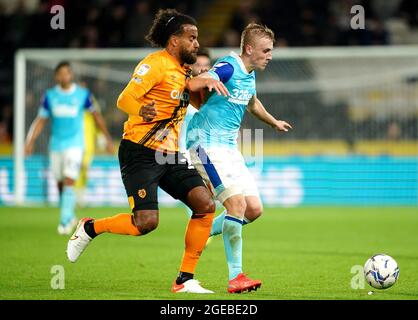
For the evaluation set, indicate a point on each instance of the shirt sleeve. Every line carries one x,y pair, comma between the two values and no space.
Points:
222,71
147,74
88,103
45,108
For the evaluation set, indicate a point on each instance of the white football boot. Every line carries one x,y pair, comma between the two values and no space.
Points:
189,286
78,241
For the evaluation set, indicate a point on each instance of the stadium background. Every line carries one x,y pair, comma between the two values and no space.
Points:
351,96
354,109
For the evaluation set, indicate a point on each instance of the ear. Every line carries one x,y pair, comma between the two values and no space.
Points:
248,49
174,41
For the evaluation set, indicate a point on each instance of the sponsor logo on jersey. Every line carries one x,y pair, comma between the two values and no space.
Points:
143,69
179,95
65,111
240,96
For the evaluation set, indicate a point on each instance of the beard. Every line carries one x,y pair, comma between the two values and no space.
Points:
187,57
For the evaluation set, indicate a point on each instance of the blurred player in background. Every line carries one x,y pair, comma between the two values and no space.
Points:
212,139
65,105
155,100
92,135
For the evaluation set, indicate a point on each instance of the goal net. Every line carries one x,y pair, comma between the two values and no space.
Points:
354,113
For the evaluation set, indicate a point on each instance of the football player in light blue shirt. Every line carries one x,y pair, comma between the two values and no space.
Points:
212,139
201,65
65,105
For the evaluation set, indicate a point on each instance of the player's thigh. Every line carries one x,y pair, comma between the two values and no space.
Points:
140,175
73,158
185,184
56,160
250,191
244,177
219,171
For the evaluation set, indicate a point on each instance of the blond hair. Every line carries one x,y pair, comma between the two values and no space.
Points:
255,30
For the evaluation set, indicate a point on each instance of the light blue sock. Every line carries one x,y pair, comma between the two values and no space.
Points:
218,222
232,236
67,205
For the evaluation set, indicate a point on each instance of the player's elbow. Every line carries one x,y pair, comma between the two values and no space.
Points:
126,103
120,103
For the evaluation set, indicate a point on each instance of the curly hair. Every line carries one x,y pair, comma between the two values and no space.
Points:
166,23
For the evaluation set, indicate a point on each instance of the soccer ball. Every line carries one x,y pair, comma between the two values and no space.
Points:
381,271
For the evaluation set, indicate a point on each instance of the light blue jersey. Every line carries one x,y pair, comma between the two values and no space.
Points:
218,121
183,131
66,111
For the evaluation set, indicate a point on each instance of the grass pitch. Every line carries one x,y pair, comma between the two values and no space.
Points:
299,253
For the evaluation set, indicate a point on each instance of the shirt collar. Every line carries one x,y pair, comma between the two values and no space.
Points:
167,54
240,63
68,91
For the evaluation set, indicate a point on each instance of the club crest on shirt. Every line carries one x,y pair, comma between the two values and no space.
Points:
143,69
142,193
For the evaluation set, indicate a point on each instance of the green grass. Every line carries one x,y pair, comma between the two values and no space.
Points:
301,253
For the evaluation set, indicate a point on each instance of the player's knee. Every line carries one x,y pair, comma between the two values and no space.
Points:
148,226
236,206
146,222
200,201
240,206
209,207
253,211
206,206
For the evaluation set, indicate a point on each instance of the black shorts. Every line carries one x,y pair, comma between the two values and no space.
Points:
143,170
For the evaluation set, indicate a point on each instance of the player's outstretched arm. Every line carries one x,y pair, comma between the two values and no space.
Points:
204,81
34,131
256,108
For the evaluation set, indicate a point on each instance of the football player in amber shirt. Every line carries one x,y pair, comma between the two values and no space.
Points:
155,100
158,80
